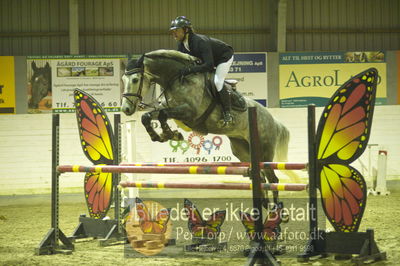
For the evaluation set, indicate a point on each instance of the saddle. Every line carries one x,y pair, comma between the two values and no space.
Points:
238,102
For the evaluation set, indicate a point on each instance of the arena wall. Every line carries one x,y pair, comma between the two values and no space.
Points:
25,144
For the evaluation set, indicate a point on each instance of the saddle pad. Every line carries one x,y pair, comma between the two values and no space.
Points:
238,102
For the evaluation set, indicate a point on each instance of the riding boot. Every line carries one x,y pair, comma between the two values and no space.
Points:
225,97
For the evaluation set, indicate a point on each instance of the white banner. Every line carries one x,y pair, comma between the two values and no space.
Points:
98,77
250,69
195,148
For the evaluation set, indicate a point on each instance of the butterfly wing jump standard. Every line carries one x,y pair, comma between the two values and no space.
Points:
148,223
342,136
271,229
201,228
96,140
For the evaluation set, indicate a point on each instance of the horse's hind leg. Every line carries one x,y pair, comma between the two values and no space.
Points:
272,178
240,148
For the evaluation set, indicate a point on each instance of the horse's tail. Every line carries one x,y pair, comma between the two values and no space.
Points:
281,152
282,144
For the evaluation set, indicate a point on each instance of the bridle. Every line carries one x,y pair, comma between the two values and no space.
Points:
138,94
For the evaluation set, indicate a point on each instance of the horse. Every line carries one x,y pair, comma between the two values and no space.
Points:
40,84
188,101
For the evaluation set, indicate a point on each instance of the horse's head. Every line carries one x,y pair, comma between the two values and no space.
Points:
136,85
160,66
41,84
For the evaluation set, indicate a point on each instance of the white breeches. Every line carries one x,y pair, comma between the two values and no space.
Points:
221,72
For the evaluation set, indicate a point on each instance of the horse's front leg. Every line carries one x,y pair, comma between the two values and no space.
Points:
146,121
182,112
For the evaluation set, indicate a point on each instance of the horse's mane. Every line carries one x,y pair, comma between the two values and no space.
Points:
160,54
173,54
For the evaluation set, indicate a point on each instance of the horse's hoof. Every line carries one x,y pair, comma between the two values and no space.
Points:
155,138
166,136
177,136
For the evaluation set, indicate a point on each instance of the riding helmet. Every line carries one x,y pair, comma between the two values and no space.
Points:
180,22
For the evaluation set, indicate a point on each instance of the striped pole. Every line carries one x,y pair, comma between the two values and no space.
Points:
198,170
273,165
228,186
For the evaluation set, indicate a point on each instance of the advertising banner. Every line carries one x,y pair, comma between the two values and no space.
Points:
7,85
312,78
250,69
52,80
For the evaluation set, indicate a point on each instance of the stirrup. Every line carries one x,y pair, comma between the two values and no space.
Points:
227,119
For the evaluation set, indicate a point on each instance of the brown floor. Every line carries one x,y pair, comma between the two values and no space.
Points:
24,221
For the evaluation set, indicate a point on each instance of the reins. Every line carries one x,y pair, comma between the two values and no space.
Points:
138,94
199,121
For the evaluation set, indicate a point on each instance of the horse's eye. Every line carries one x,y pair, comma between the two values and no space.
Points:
135,80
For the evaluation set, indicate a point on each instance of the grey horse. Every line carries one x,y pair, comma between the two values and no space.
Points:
188,101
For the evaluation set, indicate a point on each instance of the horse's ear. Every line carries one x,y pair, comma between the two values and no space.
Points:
33,65
123,65
139,62
47,65
132,64
128,62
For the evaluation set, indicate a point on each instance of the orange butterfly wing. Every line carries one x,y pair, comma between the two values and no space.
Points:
147,223
94,129
342,136
203,228
97,143
98,192
271,225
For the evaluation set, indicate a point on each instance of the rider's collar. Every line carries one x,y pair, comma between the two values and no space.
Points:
186,44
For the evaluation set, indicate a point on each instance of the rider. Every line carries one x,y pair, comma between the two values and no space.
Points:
213,54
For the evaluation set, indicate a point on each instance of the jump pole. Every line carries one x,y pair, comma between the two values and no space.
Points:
51,242
196,170
228,186
118,231
259,253
269,165
312,182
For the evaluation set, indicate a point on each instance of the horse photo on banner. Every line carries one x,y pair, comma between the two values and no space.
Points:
39,85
